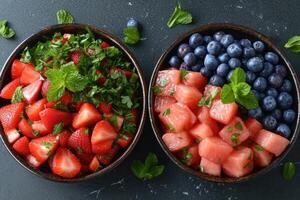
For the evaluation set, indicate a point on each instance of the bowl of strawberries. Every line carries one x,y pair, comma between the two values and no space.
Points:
72,102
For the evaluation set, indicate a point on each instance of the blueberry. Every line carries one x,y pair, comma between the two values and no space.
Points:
256,113
184,66
272,92
284,130
255,64
234,50
132,23
245,43
272,57
223,70
190,59
259,46
183,49
267,70
196,68
207,39
206,72
262,95
216,80
269,103
286,86
244,62
248,52
227,40
214,47
289,116
234,63
270,122
174,62
200,51
284,100
260,84
277,114
210,62
224,57
228,77
218,36
250,77
275,80
281,70
195,40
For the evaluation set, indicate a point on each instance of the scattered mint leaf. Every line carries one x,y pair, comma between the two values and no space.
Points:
206,101
227,95
57,128
179,16
183,74
235,138
289,171
48,145
293,44
156,90
126,100
18,95
229,129
36,132
259,148
170,127
238,126
147,170
166,112
5,30
64,17
131,35
26,56
75,82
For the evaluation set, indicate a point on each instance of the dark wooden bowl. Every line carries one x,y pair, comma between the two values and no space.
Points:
75,28
237,31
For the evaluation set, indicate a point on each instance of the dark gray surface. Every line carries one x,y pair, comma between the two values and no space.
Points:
278,19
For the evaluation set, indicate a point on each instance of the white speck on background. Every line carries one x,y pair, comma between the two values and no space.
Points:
239,6
130,3
147,14
185,193
143,38
118,182
97,192
164,185
260,16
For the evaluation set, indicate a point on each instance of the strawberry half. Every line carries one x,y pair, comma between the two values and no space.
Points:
75,56
103,131
87,115
25,128
63,138
104,45
17,68
105,107
12,135
94,165
21,146
33,111
50,117
80,141
8,91
32,91
40,127
65,163
29,75
33,161
106,158
124,140
10,115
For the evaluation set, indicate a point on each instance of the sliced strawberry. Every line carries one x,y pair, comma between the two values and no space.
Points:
94,165
87,115
102,147
8,91
135,114
115,120
12,135
67,98
41,148
65,163
75,56
33,111
50,104
32,91
29,75
106,158
103,131
50,117
104,45
10,115
63,138
125,139
33,161
45,87
40,128
66,38
105,107
21,146
18,67
85,158
26,129
80,141
102,79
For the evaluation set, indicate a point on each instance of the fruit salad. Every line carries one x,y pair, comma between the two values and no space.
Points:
217,132
71,104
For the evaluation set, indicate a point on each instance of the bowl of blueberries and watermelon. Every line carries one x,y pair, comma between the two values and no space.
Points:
224,103
72,102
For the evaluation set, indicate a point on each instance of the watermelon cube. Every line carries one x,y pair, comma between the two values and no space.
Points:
178,118
201,131
209,88
177,141
211,168
204,117
195,79
262,157
272,142
166,82
187,95
162,103
239,163
253,126
190,156
235,132
223,113
214,149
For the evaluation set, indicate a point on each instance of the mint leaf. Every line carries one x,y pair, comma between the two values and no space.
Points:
243,89
75,82
166,112
18,95
64,17
238,76
137,168
26,56
126,100
5,30
183,74
179,16
227,95
249,101
293,41
131,35
289,171
206,101
57,87
156,90
259,148
57,128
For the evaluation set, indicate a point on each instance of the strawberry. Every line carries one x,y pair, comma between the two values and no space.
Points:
106,158
22,146
10,115
29,75
102,79
26,129
104,45
63,138
75,56
40,128
65,163
115,120
85,158
33,161
50,117
87,115
12,135
80,141
66,38
94,165
17,68
8,91
103,131
102,147
105,107
67,98
124,140
45,87
33,111
41,148
32,91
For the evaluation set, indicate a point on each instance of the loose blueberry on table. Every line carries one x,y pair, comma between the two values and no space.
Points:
215,137
74,104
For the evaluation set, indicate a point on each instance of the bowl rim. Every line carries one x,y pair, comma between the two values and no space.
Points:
214,27
63,28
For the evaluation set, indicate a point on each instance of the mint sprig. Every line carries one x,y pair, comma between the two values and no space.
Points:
179,16
131,35
239,91
293,44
